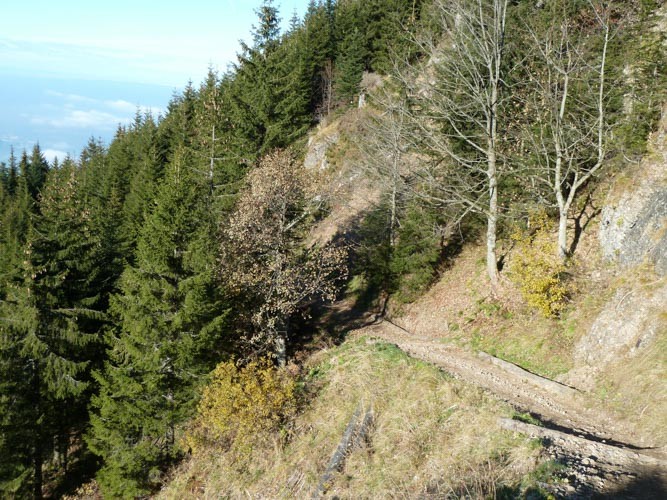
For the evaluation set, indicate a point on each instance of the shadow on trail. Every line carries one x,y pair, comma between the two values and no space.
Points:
649,483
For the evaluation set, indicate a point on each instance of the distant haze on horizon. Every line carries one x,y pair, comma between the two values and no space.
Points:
72,70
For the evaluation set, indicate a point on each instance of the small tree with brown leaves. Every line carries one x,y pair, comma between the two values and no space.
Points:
264,260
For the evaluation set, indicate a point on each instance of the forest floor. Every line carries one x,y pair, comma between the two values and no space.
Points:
601,454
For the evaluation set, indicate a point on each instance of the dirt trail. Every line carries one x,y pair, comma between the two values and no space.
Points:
622,456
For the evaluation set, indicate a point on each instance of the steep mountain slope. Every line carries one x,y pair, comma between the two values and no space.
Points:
600,406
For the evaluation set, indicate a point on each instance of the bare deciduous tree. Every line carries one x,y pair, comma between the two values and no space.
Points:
457,109
569,102
327,76
386,147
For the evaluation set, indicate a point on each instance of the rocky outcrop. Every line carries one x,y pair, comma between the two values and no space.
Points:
633,231
318,145
625,326
633,227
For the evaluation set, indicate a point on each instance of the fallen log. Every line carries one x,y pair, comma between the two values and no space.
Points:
526,376
356,431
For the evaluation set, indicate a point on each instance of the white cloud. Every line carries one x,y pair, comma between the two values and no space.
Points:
9,138
7,44
51,154
130,109
121,105
117,105
71,97
159,61
75,118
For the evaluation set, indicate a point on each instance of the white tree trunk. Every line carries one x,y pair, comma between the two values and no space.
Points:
562,235
281,349
491,230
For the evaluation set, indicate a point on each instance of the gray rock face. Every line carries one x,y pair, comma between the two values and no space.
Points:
660,253
316,157
636,227
628,323
633,230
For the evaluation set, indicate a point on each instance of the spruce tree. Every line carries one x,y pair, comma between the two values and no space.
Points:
350,66
24,171
170,320
12,174
15,408
254,86
292,93
92,170
141,161
103,191
319,46
36,170
3,180
48,333
179,127
16,211
222,147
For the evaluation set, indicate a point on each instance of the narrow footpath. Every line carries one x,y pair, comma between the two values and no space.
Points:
601,456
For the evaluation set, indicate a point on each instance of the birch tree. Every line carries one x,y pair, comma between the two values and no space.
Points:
569,101
458,110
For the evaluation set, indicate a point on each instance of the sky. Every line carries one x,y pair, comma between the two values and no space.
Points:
72,69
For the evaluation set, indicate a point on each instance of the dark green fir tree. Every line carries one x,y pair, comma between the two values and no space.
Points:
36,170
350,67
135,170
253,88
47,337
170,322
12,174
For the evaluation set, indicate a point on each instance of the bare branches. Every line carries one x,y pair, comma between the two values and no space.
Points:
571,142
457,108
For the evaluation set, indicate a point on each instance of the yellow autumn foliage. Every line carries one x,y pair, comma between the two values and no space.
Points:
240,405
536,268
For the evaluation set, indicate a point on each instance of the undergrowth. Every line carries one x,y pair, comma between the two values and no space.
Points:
241,405
535,267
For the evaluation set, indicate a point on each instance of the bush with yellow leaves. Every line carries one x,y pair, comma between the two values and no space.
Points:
535,267
241,405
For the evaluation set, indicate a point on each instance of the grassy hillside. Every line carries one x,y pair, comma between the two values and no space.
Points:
431,435
434,435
